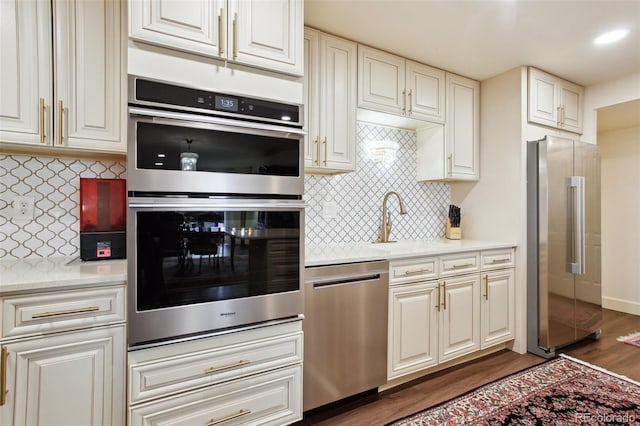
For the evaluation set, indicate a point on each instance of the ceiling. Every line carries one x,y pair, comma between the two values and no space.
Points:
482,38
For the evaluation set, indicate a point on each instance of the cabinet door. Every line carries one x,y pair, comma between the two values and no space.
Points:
66,379
462,129
459,331
412,328
267,34
311,83
498,316
381,81
543,98
337,103
426,92
88,75
193,26
25,66
571,106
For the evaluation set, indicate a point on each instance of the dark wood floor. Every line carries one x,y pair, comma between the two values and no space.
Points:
439,387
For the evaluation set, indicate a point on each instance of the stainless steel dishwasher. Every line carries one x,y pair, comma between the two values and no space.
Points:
345,330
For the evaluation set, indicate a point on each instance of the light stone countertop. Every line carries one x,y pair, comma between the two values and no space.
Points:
54,273
331,254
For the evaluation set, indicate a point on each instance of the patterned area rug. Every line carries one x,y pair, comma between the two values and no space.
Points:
631,339
563,391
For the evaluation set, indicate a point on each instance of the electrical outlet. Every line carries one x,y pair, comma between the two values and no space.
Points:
23,208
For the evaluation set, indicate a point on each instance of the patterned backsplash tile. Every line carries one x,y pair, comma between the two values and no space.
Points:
359,196
54,184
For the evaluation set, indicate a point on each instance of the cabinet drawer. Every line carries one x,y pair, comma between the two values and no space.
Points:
413,270
461,263
48,312
270,398
496,259
184,372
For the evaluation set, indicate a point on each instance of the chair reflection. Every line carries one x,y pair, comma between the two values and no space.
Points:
203,244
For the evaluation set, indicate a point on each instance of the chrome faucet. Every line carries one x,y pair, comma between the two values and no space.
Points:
385,229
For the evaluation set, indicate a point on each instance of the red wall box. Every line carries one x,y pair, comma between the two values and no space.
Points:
102,218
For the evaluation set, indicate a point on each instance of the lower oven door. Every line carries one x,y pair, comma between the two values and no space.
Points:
198,265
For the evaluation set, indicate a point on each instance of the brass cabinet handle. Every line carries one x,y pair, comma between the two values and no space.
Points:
66,312
226,367
503,260
60,123
417,271
438,299
240,413
410,103
563,115
42,111
486,287
444,295
316,142
404,102
326,152
235,36
464,265
220,34
559,111
450,159
4,354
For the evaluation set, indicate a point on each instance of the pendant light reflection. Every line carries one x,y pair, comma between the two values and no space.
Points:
188,160
382,151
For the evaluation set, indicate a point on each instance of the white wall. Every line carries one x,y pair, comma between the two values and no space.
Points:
606,94
620,180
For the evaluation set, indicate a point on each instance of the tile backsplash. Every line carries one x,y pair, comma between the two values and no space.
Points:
358,196
54,184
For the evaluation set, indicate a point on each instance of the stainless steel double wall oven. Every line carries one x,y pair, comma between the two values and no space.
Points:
216,216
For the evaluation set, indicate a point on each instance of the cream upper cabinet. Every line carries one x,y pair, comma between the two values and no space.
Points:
452,151
264,34
64,90
330,103
555,102
392,84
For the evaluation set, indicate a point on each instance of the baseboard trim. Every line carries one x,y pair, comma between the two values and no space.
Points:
621,305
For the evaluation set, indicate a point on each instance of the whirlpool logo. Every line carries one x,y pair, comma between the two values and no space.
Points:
227,314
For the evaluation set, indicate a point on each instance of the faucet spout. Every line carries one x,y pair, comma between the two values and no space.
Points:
385,228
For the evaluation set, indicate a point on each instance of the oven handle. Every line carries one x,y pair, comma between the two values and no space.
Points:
199,203
170,117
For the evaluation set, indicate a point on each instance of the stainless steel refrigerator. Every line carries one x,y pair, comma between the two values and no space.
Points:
563,244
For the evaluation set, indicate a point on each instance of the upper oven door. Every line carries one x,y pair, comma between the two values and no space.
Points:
173,152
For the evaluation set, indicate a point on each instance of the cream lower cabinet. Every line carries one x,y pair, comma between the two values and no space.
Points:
443,308
63,358
247,377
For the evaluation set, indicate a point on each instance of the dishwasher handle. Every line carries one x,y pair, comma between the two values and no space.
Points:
345,279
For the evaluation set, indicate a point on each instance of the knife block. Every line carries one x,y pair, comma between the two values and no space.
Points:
453,233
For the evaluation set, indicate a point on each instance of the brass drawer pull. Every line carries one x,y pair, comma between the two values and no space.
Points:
465,265
67,312
240,413
4,354
226,367
504,260
418,271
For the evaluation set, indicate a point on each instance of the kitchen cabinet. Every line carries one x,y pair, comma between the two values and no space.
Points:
263,34
555,102
62,75
63,357
451,152
445,307
392,84
330,103
253,375
498,297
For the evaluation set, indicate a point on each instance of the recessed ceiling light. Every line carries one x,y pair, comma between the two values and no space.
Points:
611,36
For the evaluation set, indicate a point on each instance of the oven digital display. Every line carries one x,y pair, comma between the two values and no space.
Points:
226,103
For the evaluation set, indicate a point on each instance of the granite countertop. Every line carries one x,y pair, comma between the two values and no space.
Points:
36,274
331,254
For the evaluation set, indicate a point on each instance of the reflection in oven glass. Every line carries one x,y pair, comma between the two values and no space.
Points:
188,257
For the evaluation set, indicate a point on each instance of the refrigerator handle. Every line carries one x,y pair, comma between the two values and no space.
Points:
578,263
